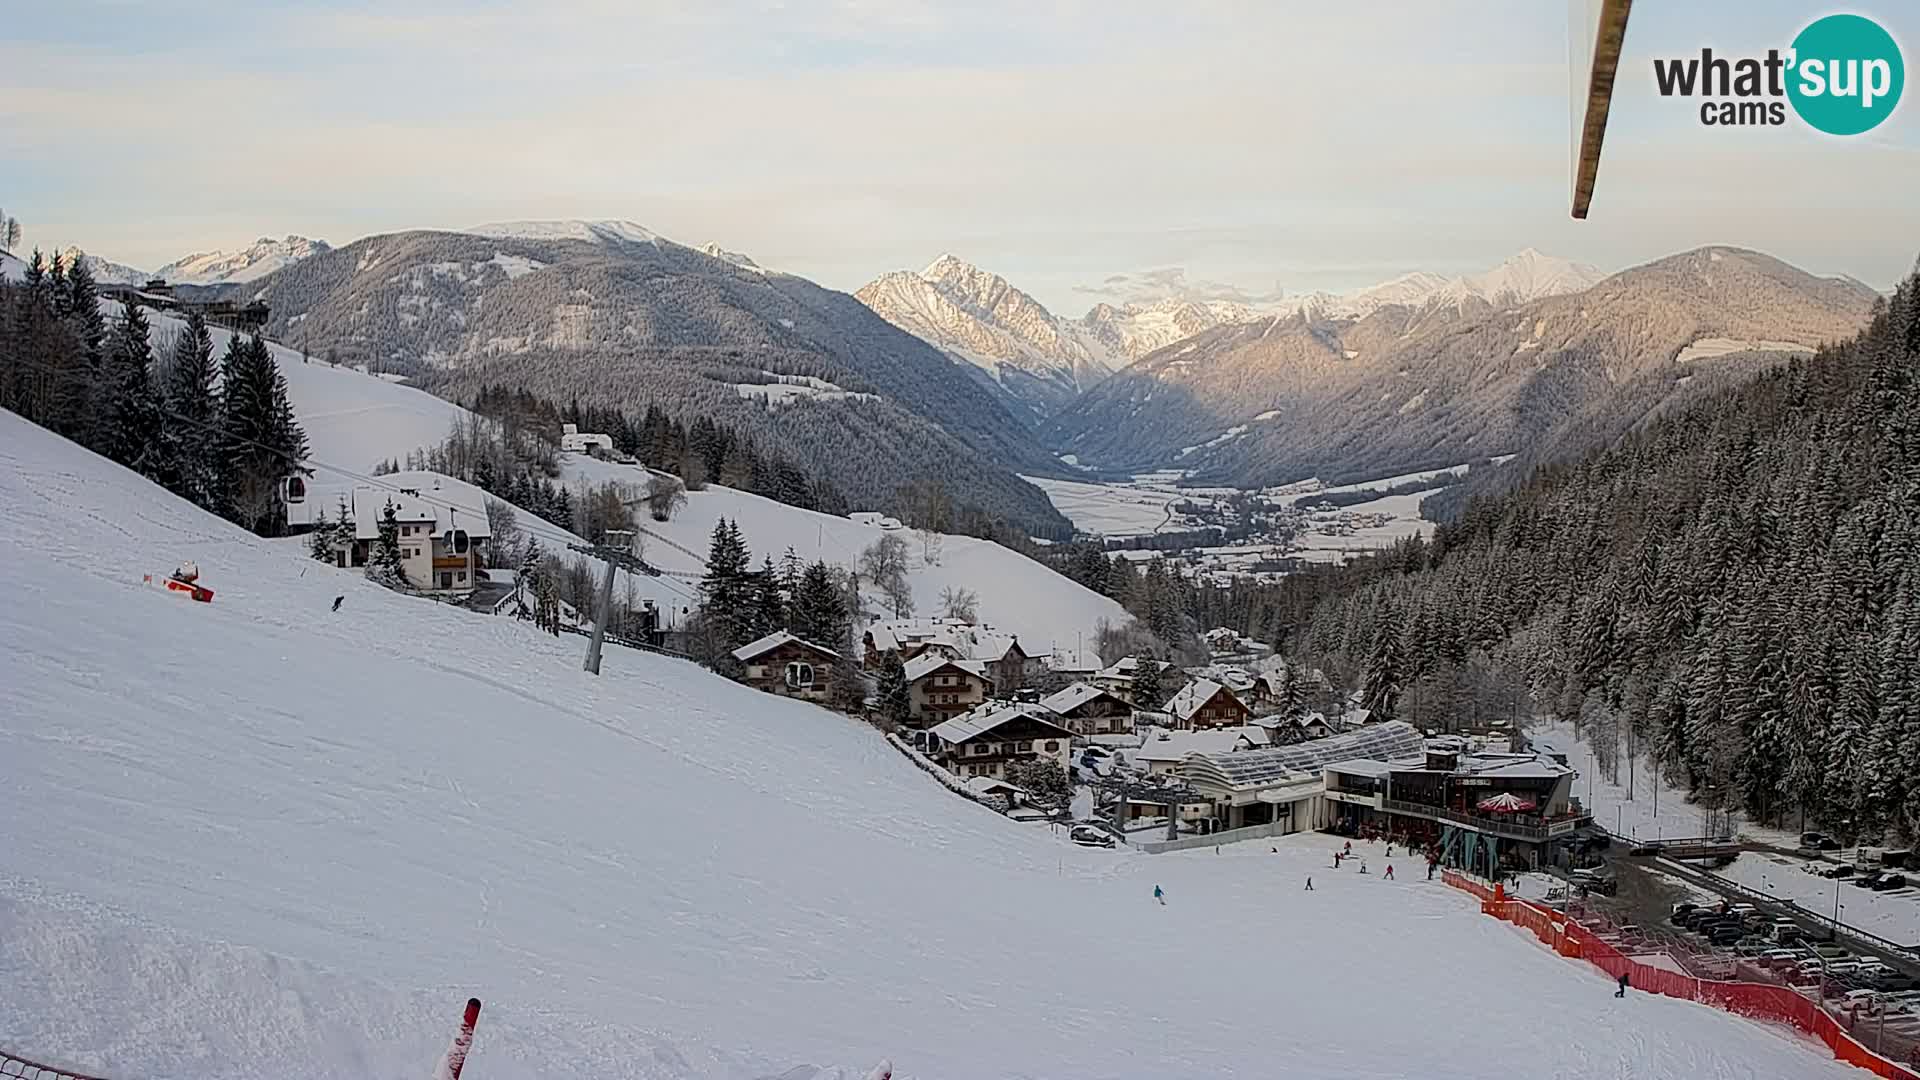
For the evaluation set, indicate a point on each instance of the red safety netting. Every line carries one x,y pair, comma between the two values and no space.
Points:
1761,1001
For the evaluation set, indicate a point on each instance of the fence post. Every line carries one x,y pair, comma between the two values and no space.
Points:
456,1057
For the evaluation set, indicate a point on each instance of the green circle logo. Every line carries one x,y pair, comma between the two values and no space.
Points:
1847,74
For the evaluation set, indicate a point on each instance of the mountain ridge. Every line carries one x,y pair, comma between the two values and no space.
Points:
1404,388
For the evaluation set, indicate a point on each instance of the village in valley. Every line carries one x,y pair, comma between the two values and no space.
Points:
1111,745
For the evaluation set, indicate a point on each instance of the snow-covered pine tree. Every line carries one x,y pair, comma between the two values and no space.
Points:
1145,685
769,612
1293,693
320,540
1381,681
132,433
726,598
190,397
895,696
790,571
384,564
820,613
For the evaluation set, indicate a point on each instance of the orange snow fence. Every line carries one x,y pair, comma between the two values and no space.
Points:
1760,1001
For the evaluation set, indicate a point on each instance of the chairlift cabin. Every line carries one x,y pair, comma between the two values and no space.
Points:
456,541
293,490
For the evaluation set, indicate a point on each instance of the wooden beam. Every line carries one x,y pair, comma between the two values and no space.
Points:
1606,60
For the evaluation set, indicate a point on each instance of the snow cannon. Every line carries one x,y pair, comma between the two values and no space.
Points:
184,581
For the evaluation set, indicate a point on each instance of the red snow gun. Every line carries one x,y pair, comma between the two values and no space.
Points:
185,581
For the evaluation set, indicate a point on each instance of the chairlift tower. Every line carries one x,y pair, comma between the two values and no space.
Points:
616,550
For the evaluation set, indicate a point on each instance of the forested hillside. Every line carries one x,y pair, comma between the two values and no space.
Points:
628,321
1736,586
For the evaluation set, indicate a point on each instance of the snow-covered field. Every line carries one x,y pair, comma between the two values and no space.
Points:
261,838
1017,594
1108,509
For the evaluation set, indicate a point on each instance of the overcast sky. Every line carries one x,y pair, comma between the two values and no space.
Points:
1221,149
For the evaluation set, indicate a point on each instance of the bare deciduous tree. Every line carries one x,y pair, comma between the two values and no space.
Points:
665,495
961,604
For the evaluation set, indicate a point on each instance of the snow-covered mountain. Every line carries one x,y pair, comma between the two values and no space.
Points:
1522,278
977,317
106,271
1437,373
259,259
1131,331
597,232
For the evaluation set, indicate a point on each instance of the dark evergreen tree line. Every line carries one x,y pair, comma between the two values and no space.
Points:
225,438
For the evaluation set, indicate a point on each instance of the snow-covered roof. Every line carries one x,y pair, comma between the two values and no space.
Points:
1123,667
988,717
440,515
987,785
1514,768
773,641
1176,745
1068,660
1361,767
1074,696
1392,741
1192,697
927,663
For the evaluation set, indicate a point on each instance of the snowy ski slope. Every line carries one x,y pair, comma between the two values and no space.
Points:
260,838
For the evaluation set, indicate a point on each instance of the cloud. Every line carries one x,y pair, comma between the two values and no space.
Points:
1172,282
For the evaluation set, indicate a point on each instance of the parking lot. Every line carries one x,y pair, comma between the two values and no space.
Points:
1712,928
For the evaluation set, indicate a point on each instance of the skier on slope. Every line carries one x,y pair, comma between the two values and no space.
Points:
1309,884
1160,896
1621,991
1389,871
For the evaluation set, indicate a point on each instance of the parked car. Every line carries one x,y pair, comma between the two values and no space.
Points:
1598,881
1890,881
1828,952
1645,849
1867,881
1837,871
1776,959
1779,925
1751,948
1090,836
1726,934
1818,841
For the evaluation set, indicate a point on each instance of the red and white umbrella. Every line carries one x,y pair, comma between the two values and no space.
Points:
1506,803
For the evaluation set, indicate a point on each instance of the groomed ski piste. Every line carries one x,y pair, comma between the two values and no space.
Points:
259,837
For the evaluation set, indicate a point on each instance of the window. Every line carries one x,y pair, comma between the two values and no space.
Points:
461,577
1026,747
446,581
800,675
977,749
1053,745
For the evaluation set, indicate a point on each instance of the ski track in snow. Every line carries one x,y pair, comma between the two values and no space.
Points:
261,838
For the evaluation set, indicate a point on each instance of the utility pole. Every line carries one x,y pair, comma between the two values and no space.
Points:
617,551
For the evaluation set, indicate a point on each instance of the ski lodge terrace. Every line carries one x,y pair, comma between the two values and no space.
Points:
1483,810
